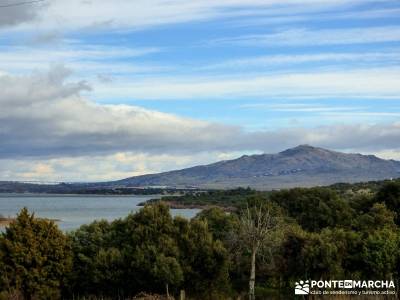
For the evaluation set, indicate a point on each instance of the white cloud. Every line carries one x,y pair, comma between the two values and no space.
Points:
310,37
307,14
302,107
44,114
389,154
87,58
290,60
354,83
138,14
102,167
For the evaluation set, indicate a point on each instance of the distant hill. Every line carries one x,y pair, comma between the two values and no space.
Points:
303,166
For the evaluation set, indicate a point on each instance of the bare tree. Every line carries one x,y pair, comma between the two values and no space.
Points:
258,225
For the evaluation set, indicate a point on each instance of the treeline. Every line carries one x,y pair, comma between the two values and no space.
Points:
228,199
12,187
275,239
236,198
146,251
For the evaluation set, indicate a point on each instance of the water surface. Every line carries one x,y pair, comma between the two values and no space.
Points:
75,210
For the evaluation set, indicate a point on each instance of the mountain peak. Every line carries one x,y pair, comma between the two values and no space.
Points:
304,148
303,165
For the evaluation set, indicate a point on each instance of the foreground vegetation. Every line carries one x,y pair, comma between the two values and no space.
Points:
270,239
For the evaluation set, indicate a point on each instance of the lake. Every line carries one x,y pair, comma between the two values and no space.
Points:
75,210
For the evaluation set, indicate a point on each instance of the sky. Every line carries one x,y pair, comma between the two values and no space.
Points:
103,90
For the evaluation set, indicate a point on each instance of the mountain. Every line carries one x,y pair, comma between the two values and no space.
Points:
303,165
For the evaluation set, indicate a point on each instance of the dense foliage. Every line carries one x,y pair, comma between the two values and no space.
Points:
324,233
222,198
35,258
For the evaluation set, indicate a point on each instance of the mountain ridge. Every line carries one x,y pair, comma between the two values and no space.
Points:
303,165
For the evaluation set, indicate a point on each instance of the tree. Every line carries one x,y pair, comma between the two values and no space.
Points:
290,255
203,259
98,263
258,225
376,218
151,250
390,195
324,253
35,256
380,253
220,223
148,251
314,208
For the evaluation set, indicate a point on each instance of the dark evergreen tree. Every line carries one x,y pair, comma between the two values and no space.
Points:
35,258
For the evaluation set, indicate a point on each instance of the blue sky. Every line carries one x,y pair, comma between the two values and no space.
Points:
143,82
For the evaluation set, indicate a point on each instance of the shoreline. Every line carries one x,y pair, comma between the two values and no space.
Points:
5,195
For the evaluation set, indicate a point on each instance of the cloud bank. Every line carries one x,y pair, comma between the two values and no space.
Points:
50,131
45,115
